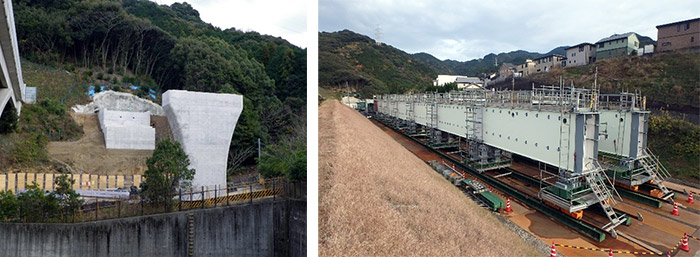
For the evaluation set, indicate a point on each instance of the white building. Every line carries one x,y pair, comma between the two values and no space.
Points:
444,79
469,82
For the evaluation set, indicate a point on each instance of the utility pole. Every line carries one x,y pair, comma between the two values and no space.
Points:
258,149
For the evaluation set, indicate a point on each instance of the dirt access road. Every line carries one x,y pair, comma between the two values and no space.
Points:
90,155
378,199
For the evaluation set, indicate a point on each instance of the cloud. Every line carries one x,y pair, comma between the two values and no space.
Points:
280,18
465,30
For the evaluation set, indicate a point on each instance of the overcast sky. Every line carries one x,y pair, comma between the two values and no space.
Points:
280,18
464,30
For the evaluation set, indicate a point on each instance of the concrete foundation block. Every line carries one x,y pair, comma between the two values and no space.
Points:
203,123
127,130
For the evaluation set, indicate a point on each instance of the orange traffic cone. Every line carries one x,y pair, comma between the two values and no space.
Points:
508,209
668,254
675,209
684,245
610,253
554,251
690,197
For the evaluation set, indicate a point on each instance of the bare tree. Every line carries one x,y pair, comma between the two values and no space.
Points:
236,157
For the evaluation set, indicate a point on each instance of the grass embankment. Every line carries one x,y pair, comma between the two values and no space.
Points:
665,78
48,120
677,144
378,199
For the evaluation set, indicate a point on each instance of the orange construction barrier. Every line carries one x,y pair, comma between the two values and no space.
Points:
554,251
675,209
690,197
684,245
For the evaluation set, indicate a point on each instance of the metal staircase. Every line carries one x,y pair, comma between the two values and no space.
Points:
596,181
474,122
658,172
409,111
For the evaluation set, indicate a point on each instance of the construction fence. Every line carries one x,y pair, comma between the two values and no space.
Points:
17,182
97,208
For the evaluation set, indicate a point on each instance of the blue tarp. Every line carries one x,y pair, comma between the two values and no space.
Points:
91,90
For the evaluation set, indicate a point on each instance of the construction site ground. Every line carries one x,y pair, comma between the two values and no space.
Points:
89,154
378,199
659,228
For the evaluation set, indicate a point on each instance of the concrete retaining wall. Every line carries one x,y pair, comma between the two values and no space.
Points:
258,229
127,130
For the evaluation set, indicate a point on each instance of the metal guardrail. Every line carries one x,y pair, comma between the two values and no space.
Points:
97,208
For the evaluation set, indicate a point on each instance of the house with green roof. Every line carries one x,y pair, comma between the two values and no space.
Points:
617,45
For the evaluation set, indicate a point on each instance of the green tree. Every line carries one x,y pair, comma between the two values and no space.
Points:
69,200
287,160
9,205
8,121
37,206
288,156
167,169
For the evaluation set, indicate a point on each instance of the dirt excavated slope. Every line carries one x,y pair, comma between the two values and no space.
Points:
378,199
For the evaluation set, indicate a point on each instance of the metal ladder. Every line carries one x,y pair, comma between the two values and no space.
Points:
431,119
596,182
190,234
564,143
657,172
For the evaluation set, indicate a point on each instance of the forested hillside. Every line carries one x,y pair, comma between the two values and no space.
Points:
163,47
371,68
348,58
482,67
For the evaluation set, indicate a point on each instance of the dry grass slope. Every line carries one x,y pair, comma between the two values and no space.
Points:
378,199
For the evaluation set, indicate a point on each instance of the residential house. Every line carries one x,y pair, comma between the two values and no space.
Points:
548,62
581,54
647,49
506,70
679,36
469,82
525,69
617,45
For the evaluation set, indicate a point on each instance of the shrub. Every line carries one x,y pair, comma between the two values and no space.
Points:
36,206
31,149
9,206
